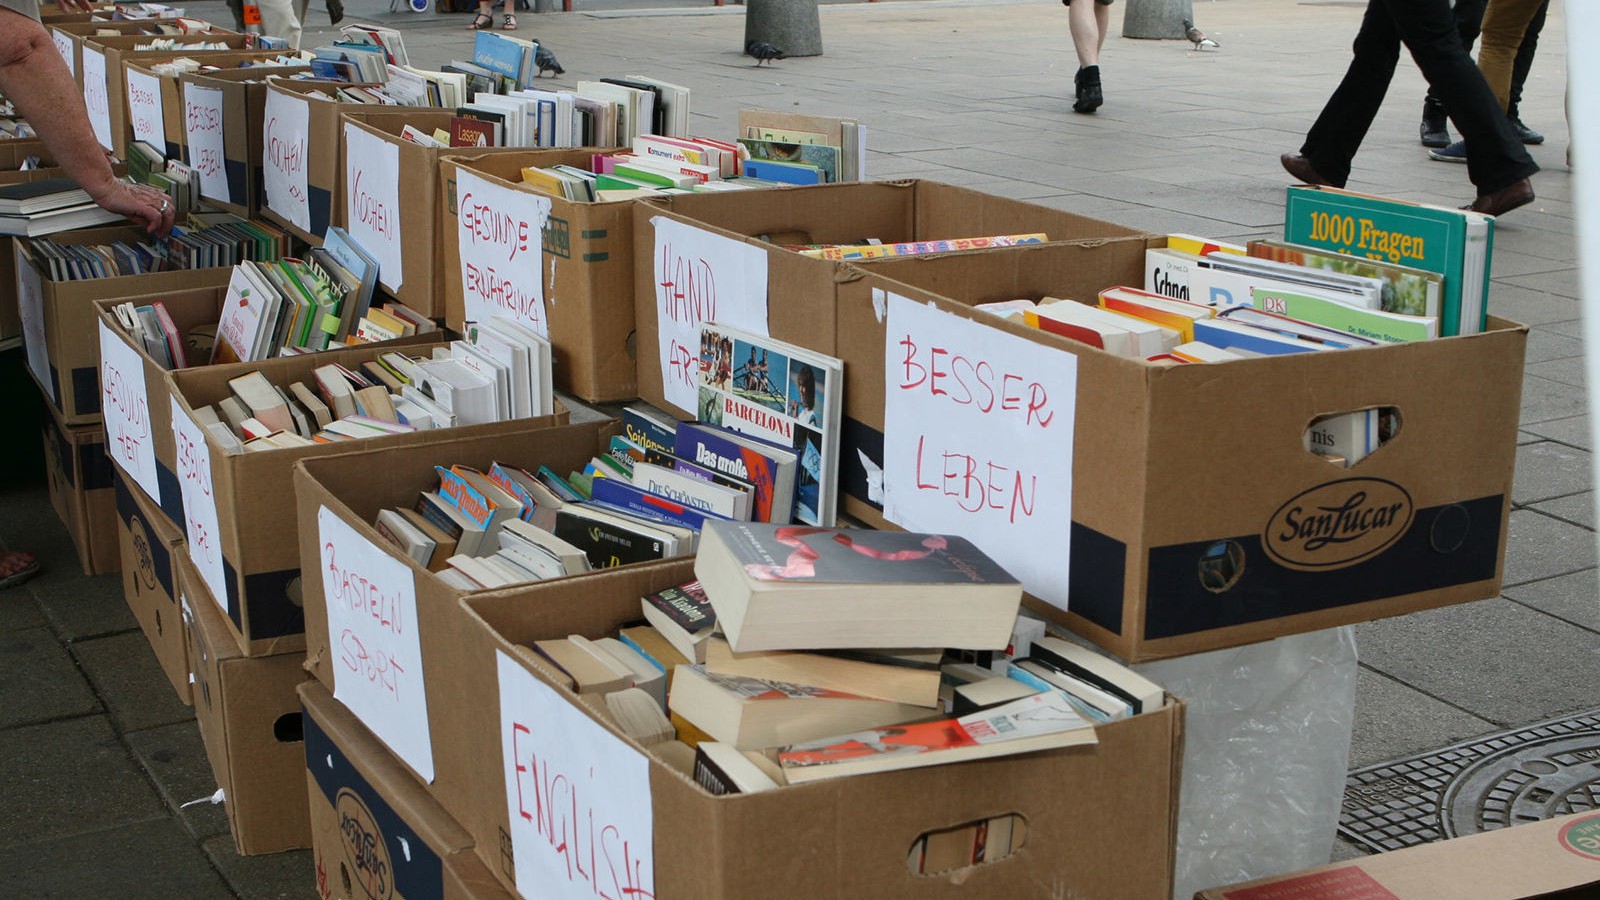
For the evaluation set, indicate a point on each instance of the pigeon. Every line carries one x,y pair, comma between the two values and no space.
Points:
763,51
547,62
1198,37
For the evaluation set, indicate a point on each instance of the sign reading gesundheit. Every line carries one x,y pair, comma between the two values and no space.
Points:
202,531
577,797
373,639
126,411
372,200
701,277
502,256
977,440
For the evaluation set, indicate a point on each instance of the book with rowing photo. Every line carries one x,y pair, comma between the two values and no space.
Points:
782,394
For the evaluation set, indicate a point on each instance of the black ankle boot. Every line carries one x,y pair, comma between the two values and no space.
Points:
1433,130
1089,96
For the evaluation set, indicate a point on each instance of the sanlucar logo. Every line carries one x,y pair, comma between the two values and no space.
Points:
1339,523
1582,836
364,850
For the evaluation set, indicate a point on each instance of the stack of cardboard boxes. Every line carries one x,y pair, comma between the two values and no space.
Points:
353,702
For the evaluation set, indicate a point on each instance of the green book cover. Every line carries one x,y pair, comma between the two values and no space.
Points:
1454,243
1393,328
609,182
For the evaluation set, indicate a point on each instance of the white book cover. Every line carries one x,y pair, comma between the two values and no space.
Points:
706,496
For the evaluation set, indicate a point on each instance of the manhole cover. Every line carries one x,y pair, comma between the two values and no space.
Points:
1522,775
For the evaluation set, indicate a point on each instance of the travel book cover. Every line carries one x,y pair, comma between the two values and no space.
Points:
1407,289
781,394
771,478
795,553
1454,243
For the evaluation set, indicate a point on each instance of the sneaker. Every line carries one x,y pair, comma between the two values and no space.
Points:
1089,96
1434,131
1524,133
1456,153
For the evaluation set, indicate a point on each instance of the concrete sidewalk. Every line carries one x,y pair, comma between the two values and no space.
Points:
99,755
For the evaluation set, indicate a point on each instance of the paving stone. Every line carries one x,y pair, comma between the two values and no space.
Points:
1547,469
1574,597
1393,719
1558,282
81,606
154,860
1568,370
1573,430
67,778
175,758
1543,400
276,876
38,680
1528,306
18,609
1575,508
1538,546
1553,341
1500,661
130,680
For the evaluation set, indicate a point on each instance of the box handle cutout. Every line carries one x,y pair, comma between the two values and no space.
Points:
289,729
953,852
1450,528
1344,439
1221,566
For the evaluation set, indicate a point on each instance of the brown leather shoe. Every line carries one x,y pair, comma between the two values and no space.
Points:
1504,200
1300,168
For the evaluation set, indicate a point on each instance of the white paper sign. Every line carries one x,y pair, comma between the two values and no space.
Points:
701,277
287,126
144,109
30,308
202,531
499,232
126,409
577,797
977,440
372,199
202,124
64,46
96,95
372,629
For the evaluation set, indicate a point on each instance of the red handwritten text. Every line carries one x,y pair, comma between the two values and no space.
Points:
499,290
359,594
370,210
133,429
976,484
288,157
973,382
373,664
488,225
202,118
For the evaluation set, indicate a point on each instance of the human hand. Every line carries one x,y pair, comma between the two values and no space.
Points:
141,203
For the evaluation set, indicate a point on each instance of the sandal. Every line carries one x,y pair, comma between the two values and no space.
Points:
510,23
16,567
481,21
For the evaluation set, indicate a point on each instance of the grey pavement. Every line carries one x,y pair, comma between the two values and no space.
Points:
98,754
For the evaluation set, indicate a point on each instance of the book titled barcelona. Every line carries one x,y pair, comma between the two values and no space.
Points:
781,394
793,587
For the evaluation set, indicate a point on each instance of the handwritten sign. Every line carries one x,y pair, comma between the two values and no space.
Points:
202,124
372,631
577,797
502,261
701,277
201,528
30,308
977,440
372,199
287,121
97,95
64,47
123,400
144,109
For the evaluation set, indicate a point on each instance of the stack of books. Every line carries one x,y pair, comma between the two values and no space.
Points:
206,240
48,206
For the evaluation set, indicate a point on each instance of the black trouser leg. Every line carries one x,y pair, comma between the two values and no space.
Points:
1335,137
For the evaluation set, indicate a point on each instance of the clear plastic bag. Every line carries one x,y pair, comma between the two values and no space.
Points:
1266,745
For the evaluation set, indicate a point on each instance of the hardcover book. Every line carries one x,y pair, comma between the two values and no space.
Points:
782,394
768,468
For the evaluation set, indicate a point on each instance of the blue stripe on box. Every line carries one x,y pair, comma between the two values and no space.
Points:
1095,579
86,390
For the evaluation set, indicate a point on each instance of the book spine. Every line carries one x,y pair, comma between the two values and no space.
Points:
646,432
637,500
463,496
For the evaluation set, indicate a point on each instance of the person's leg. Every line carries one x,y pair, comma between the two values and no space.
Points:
1335,137
1504,24
279,20
1495,158
1468,17
1102,24
1520,68
1086,20
16,567
484,17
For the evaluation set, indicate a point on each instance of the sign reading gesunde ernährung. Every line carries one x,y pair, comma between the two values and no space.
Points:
499,233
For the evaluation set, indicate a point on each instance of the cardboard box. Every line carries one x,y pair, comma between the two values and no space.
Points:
1557,857
1180,472
799,289
250,722
1101,819
108,106
401,228
302,119
245,510
584,263
141,421
79,475
155,102
243,97
149,543
69,37
373,828
58,318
